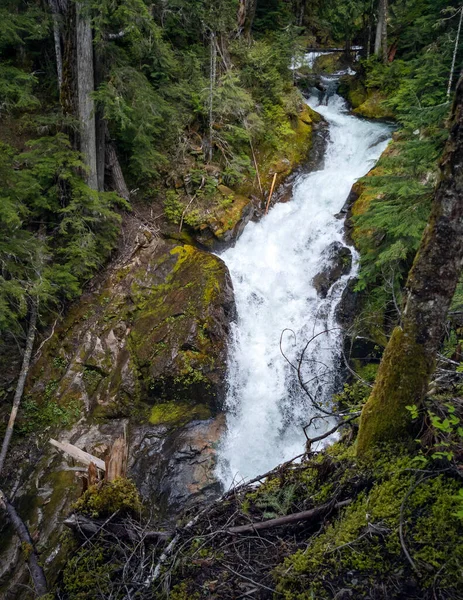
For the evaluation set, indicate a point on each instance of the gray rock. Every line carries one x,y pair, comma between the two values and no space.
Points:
337,262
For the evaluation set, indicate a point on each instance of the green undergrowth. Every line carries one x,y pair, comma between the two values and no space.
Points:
361,551
398,534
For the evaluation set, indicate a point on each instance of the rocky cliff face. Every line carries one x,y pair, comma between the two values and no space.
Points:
145,354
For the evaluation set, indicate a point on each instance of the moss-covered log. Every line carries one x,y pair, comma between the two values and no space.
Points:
409,358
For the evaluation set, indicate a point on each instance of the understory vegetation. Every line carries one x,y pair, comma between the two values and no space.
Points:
387,528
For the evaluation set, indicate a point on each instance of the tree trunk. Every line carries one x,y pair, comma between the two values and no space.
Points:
212,78
381,31
68,95
409,358
21,382
100,125
37,573
85,87
245,19
57,39
384,5
116,177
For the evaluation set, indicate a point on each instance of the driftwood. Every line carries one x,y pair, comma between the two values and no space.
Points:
78,454
89,527
313,513
37,573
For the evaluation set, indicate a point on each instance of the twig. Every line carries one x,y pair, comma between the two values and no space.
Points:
247,578
311,441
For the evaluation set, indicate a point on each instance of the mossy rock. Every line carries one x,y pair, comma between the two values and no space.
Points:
352,89
155,332
223,219
329,63
373,107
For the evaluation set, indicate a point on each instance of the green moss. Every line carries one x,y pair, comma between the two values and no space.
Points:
328,63
181,592
373,107
177,413
362,546
102,500
403,373
353,90
88,568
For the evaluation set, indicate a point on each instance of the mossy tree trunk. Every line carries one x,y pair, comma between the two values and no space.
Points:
409,358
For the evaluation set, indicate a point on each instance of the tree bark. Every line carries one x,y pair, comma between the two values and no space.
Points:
85,87
37,573
21,381
100,125
409,358
57,39
381,31
116,177
245,19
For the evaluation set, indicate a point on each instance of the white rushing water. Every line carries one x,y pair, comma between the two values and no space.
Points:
272,267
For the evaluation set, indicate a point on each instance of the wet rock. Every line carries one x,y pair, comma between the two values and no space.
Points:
175,470
361,351
337,262
157,331
349,305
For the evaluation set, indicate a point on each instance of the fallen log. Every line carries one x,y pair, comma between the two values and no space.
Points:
88,527
78,454
313,513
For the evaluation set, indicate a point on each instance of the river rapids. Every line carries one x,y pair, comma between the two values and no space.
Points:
272,267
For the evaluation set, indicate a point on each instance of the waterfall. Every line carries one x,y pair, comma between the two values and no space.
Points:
272,267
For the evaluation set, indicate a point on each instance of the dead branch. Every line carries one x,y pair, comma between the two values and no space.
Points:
90,527
313,513
37,573
271,192
411,489
78,454
323,436
21,381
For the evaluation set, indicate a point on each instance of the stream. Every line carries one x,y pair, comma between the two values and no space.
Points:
272,267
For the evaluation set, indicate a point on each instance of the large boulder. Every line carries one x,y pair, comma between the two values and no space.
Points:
155,332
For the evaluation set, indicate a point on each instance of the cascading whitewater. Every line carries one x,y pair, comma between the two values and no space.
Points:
272,267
